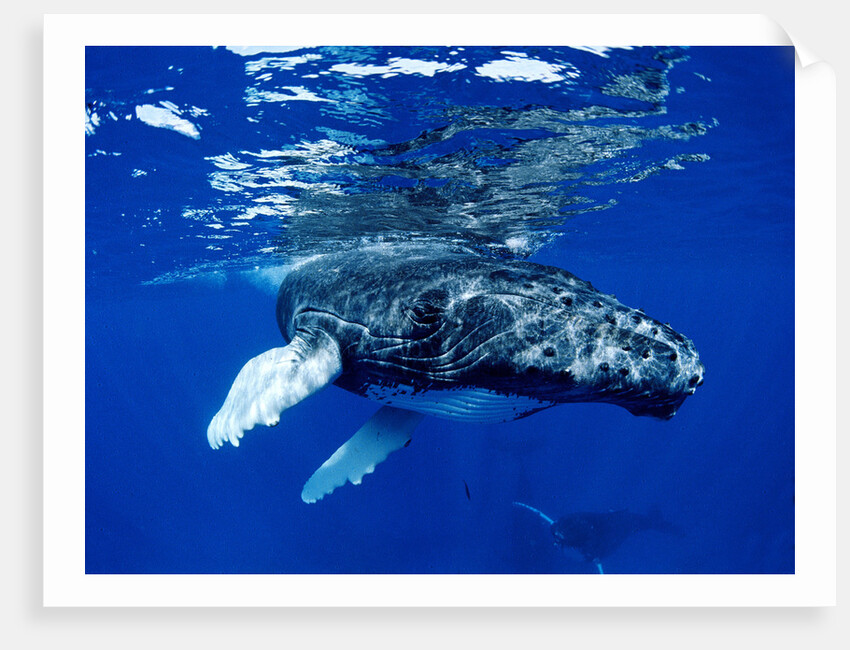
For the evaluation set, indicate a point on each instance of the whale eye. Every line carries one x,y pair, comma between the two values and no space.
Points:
427,309
424,313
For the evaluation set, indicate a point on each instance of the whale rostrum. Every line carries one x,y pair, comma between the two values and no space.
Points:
453,334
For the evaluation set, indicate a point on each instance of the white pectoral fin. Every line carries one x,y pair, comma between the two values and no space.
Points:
542,515
272,382
386,431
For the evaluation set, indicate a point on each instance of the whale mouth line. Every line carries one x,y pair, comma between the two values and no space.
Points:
456,345
443,371
451,365
405,341
324,312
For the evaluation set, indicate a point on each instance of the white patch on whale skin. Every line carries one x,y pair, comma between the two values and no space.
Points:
272,382
462,404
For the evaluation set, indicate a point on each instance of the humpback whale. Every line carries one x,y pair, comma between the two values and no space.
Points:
595,535
432,330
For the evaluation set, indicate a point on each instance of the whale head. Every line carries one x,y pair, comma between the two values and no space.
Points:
542,332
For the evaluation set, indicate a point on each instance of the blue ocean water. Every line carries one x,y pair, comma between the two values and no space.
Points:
662,175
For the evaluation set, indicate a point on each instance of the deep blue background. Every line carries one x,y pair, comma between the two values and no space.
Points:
709,249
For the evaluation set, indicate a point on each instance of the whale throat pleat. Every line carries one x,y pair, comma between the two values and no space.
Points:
461,404
272,382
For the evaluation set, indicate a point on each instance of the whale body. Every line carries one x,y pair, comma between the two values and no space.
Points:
596,535
431,330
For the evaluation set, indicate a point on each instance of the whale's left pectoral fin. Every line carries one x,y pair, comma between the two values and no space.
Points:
385,432
272,382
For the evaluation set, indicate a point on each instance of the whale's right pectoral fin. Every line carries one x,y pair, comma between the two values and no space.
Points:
269,384
386,431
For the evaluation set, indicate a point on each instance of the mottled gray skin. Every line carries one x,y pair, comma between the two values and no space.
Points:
433,318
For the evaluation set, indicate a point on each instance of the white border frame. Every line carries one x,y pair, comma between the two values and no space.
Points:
65,581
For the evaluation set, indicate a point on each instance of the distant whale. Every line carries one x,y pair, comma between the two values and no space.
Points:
595,535
427,329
